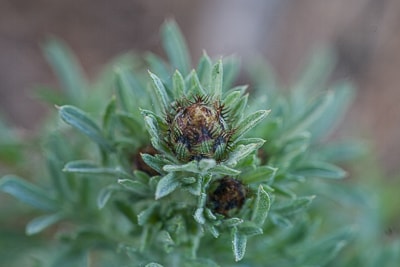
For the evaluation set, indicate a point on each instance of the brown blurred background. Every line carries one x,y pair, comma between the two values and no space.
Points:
365,33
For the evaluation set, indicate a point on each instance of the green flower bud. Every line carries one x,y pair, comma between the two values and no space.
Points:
198,129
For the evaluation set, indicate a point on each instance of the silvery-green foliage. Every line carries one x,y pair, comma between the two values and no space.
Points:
171,166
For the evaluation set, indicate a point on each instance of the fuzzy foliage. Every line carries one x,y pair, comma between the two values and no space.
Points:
177,171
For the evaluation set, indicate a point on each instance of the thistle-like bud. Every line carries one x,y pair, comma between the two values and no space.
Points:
227,195
198,129
200,121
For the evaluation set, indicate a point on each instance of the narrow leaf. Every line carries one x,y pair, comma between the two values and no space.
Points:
175,47
261,207
160,91
231,67
178,84
144,216
199,216
204,70
166,185
216,79
236,110
224,170
108,116
105,195
239,242
28,193
195,87
130,123
250,122
313,113
88,167
232,98
135,186
320,170
40,223
67,69
166,240
294,206
158,66
154,162
83,123
231,222
260,174
250,229
153,264
241,152
192,166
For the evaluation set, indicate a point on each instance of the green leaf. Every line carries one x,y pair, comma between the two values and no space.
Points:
294,206
135,186
326,249
315,72
166,241
40,223
28,193
280,221
261,207
233,98
249,122
108,116
160,91
342,151
83,123
167,185
195,87
153,126
178,84
213,230
67,69
158,66
88,167
231,222
175,46
105,195
240,152
204,70
153,264
231,67
224,170
206,164
130,123
199,216
154,162
320,170
313,113
259,174
129,90
144,216
250,229
239,242
237,110
343,97
192,166
216,79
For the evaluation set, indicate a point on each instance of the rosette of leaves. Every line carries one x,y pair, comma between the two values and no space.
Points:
149,212
177,173
197,130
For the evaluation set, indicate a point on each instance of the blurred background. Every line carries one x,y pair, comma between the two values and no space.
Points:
364,33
